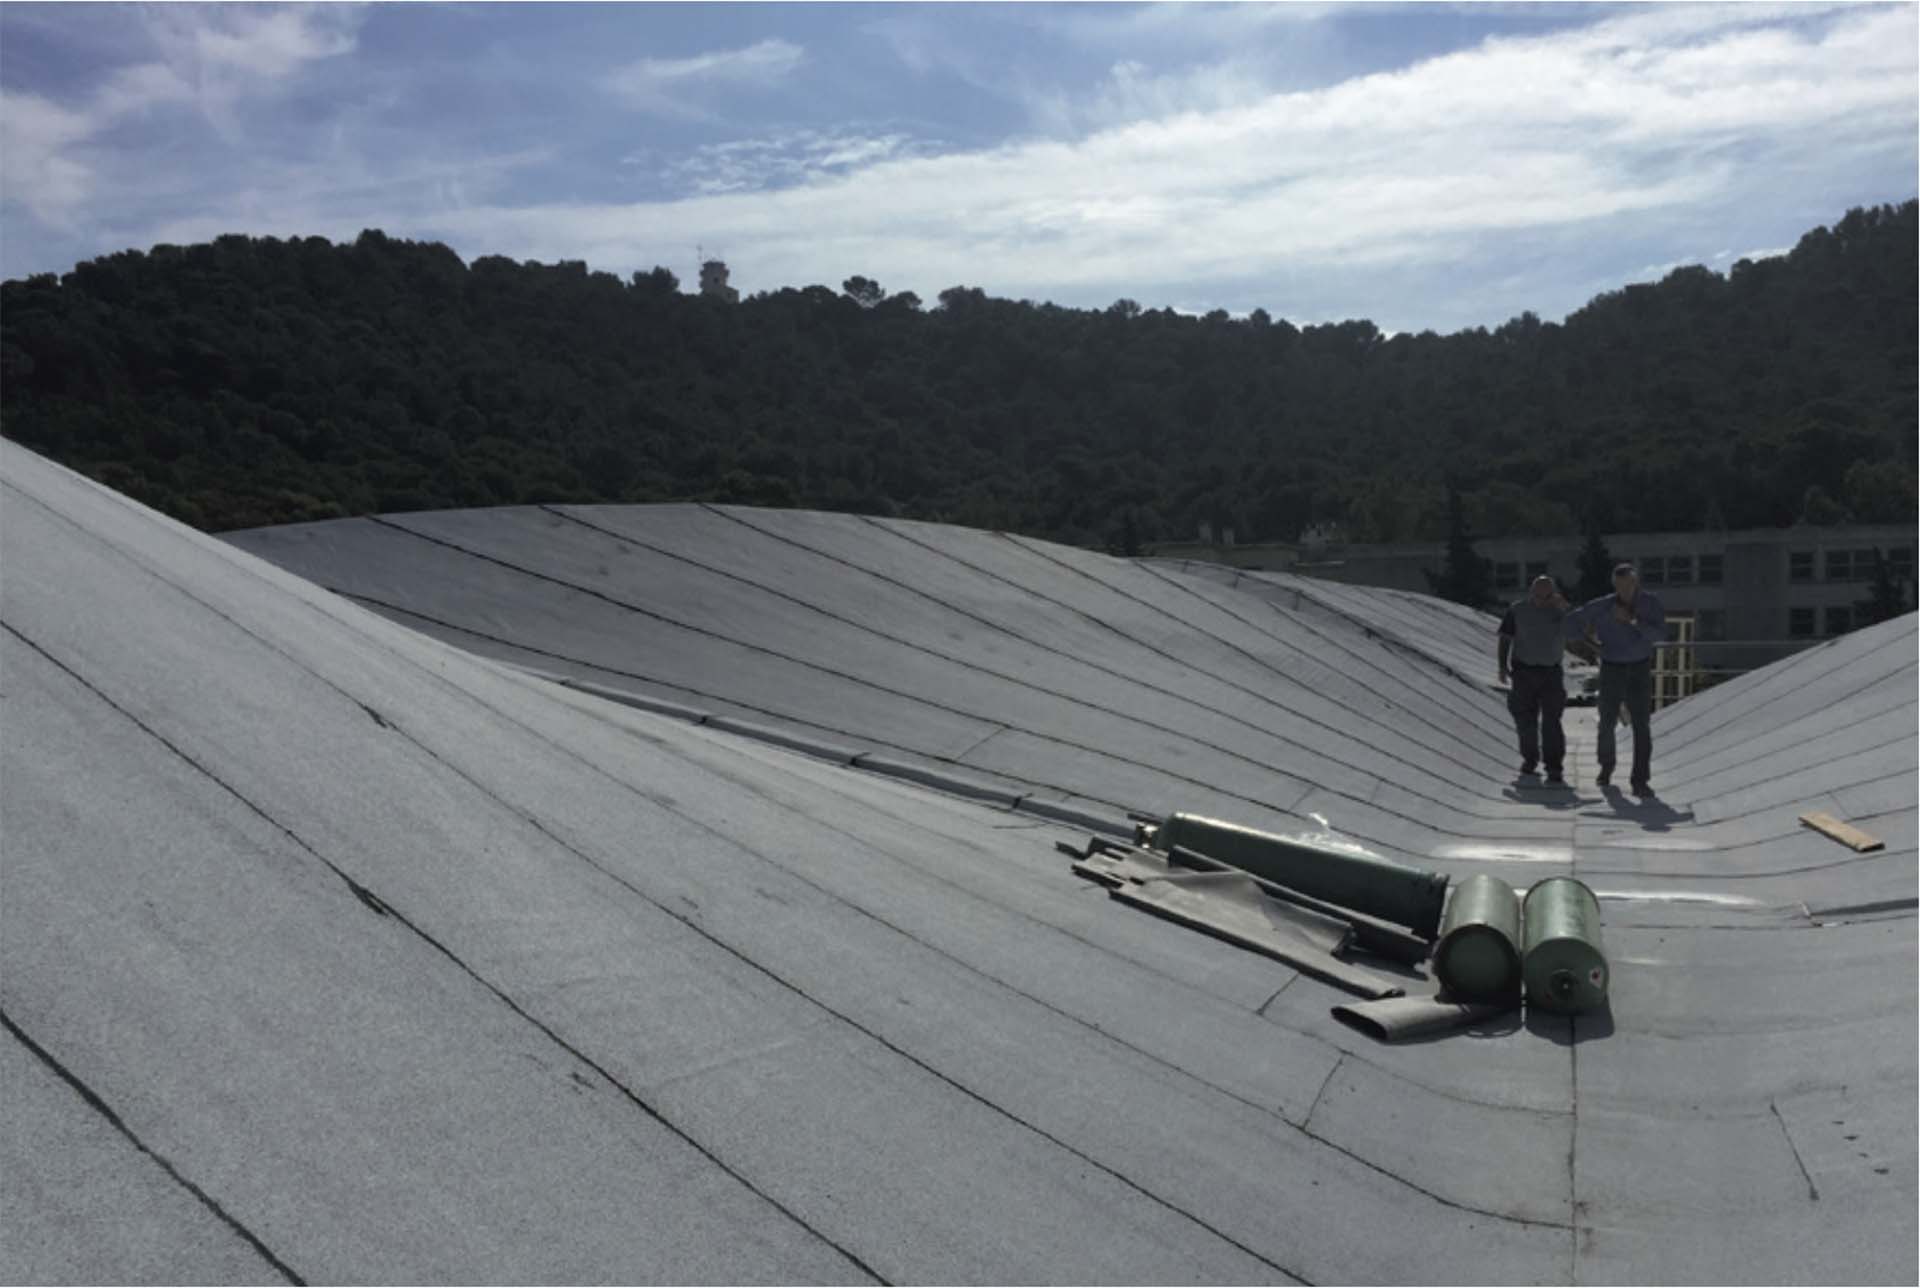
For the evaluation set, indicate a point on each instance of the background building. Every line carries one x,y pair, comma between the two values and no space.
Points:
1755,595
713,282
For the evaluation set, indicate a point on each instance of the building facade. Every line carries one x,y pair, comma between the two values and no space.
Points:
1754,595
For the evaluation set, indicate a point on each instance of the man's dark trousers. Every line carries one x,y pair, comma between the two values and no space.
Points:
1631,683
1536,700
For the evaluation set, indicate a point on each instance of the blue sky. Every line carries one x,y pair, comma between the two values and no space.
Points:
1429,165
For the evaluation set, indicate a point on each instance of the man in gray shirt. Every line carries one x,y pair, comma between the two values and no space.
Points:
1532,636
1625,626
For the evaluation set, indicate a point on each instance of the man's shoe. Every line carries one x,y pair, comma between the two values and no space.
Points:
1527,770
1642,789
1603,778
1555,780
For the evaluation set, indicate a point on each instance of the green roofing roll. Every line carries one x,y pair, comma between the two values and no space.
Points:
1564,967
1340,873
1478,956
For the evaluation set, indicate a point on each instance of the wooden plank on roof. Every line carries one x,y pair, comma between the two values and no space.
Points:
1844,833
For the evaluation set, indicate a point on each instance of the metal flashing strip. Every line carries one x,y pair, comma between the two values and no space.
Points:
1232,907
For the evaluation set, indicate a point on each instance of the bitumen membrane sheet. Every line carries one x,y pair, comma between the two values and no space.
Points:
340,942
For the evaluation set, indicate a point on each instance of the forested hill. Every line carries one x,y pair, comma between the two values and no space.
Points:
255,381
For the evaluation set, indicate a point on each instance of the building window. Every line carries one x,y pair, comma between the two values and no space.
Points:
1900,563
1506,576
1535,570
1711,624
1653,571
1712,569
1680,570
1800,623
1839,565
1800,565
1839,619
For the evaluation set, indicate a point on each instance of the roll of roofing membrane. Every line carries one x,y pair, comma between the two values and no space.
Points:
1563,964
1478,956
1347,875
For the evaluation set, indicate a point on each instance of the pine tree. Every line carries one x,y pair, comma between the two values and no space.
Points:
1466,578
1596,568
1888,597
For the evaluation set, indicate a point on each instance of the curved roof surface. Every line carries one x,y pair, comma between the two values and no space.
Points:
335,953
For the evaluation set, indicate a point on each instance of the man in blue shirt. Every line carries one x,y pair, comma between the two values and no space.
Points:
1624,626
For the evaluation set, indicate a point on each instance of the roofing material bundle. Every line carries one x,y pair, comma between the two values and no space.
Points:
1477,960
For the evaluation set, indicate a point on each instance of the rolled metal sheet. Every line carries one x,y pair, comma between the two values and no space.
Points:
1395,1019
1478,956
1563,963
1343,874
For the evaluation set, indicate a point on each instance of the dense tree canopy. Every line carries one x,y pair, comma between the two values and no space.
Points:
256,381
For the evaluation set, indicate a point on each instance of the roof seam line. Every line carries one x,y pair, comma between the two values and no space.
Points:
119,1124
1573,1150
1325,1082
1813,1191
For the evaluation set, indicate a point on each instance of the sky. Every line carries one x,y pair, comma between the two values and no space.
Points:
1426,166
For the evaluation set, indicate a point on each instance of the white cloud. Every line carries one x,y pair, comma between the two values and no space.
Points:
43,161
673,84
1133,91
1167,57
1219,25
34,170
253,40
1578,128
212,57
781,159
229,53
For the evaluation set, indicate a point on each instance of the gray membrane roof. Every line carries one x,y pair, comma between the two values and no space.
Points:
331,952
